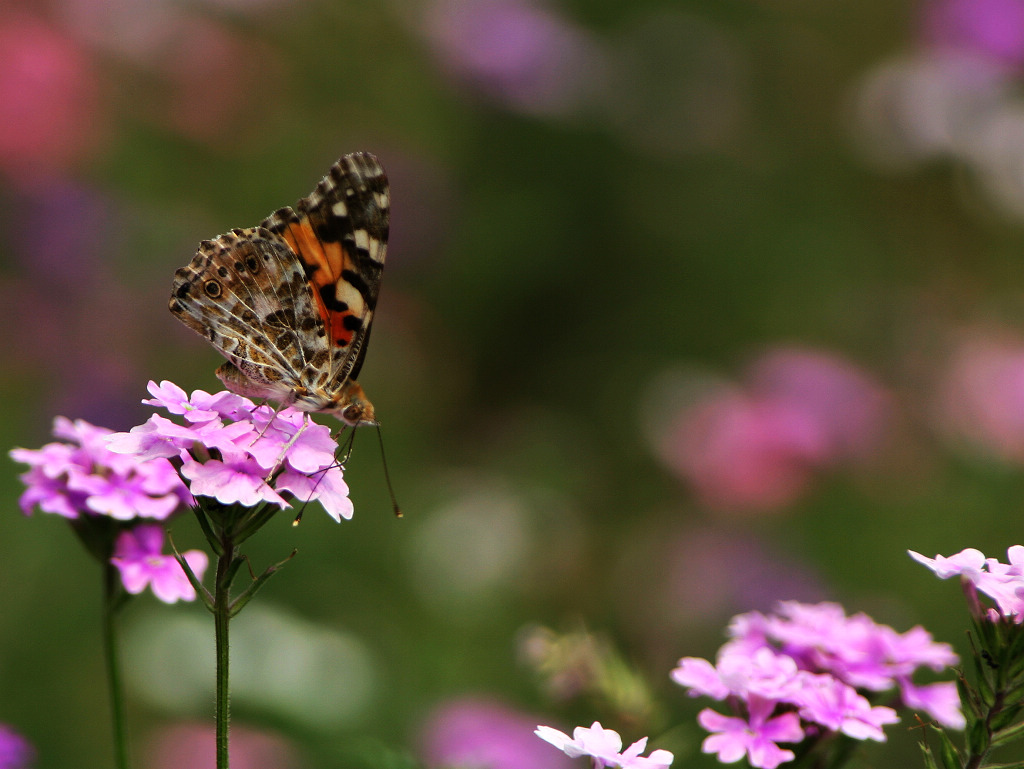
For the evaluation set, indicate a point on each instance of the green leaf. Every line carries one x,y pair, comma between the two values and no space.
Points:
1005,717
1015,662
969,698
978,741
1007,735
232,570
988,635
985,691
929,759
204,525
1014,695
239,603
947,750
1014,765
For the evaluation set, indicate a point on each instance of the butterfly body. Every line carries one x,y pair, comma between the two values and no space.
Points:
289,303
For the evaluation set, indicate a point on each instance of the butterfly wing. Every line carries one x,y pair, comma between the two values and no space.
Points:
246,292
339,234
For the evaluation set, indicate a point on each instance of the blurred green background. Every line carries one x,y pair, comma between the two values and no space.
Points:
689,307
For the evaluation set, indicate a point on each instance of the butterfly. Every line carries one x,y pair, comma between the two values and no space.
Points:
290,302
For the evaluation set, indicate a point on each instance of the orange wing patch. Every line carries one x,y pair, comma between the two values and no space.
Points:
328,267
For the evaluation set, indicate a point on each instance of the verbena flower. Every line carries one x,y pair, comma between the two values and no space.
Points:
733,738
82,477
110,497
992,695
804,668
138,556
604,746
15,751
1002,582
236,452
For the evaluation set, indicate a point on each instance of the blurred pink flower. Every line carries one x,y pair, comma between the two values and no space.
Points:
981,395
485,734
848,407
192,746
993,29
515,51
15,751
744,454
757,447
49,100
62,232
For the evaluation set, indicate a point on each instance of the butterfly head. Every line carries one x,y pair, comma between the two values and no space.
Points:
354,408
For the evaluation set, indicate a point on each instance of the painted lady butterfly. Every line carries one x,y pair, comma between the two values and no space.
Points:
289,302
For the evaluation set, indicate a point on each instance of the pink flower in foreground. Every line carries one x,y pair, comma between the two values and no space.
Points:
603,746
838,707
756,738
941,700
1002,582
814,660
239,453
83,477
138,556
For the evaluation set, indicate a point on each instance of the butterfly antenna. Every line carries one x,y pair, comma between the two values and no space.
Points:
387,475
350,442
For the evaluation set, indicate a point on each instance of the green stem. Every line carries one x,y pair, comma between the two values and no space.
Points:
111,603
222,616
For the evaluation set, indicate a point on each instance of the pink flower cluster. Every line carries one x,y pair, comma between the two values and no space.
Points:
604,746
801,671
81,478
756,447
237,452
1002,582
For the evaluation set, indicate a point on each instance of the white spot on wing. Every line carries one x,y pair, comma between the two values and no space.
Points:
340,209
347,293
362,239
